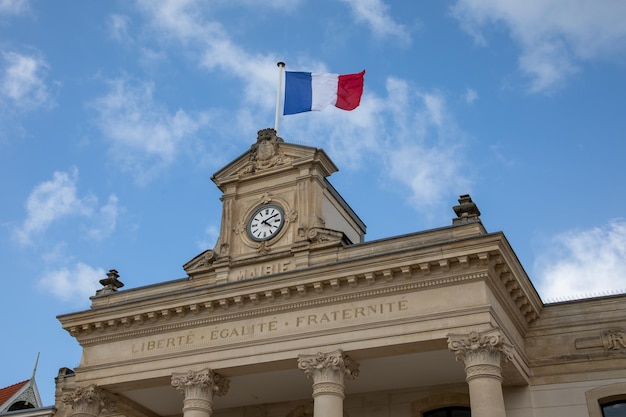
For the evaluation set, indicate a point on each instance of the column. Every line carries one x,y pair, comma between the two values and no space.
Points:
481,353
328,370
199,388
88,401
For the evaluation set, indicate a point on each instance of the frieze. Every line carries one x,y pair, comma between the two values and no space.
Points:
611,340
272,308
249,330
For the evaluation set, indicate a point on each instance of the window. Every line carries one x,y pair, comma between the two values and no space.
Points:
21,405
614,409
453,412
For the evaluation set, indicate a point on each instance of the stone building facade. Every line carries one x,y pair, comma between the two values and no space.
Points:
293,314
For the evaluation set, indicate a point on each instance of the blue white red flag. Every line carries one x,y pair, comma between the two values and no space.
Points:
305,91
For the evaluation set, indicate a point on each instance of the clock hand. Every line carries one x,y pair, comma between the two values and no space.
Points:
266,220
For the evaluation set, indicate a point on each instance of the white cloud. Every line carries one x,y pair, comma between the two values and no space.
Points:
408,136
375,14
186,22
118,28
555,36
14,7
578,264
405,122
58,198
105,221
145,136
470,95
22,81
75,284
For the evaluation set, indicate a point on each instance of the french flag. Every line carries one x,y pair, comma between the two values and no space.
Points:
305,91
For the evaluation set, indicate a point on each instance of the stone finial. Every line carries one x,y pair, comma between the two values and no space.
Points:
466,211
110,284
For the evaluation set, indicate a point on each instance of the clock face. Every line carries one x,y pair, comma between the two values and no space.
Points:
266,222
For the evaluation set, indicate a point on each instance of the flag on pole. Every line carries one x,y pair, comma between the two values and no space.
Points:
305,91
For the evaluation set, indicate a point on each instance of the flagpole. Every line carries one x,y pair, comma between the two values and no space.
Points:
281,66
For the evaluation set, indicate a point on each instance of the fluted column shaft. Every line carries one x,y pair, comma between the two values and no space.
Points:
88,401
199,387
482,354
328,371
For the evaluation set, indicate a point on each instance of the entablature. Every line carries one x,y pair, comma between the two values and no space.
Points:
391,273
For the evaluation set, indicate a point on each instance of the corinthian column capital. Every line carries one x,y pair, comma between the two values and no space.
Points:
194,383
328,370
481,353
89,401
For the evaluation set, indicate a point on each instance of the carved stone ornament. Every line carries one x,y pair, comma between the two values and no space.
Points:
481,353
90,400
201,262
328,370
265,153
611,340
193,383
318,234
614,339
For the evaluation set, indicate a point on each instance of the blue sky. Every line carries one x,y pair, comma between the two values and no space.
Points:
114,115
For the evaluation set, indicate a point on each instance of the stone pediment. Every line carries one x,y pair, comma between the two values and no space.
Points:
270,154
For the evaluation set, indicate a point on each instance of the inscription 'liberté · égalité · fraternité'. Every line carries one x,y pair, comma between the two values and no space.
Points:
286,323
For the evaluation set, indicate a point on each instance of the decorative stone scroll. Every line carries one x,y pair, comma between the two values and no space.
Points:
482,354
328,370
199,388
88,401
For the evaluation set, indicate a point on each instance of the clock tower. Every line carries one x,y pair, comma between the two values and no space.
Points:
278,211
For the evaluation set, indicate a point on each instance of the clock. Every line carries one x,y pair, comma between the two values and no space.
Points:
266,222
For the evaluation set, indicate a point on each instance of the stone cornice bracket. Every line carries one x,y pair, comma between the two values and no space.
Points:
89,401
199,388
328,370
481,353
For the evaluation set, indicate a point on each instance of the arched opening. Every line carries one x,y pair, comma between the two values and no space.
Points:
20,405
614,409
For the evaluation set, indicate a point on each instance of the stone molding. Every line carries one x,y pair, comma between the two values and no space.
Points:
611,340
328,370
89,401
423,274
481,353
206,311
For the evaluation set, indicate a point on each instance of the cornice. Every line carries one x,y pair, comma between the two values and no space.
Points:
222,313
267,296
